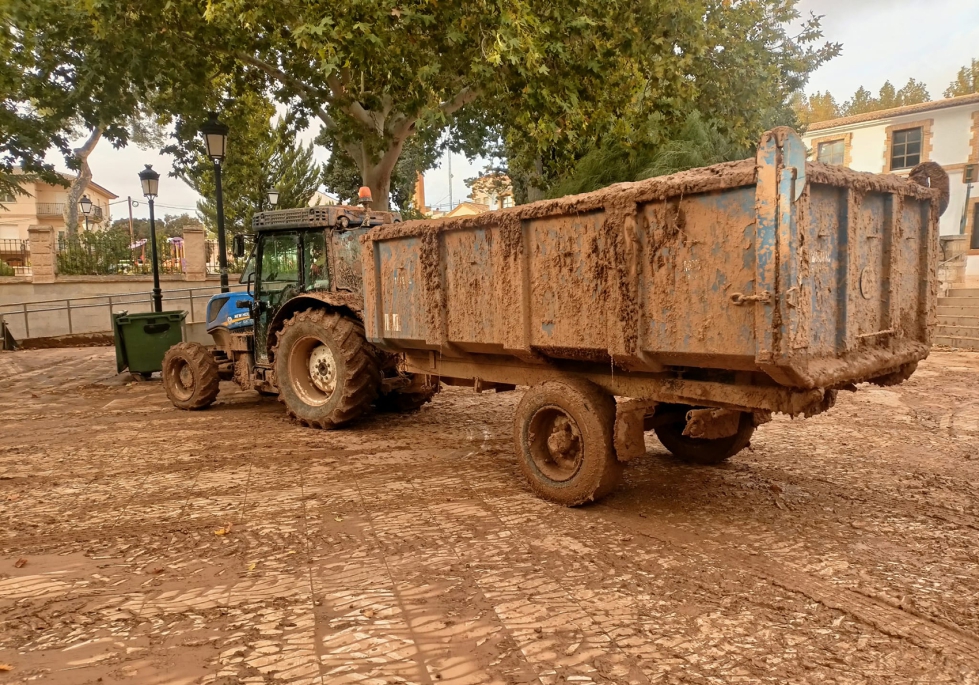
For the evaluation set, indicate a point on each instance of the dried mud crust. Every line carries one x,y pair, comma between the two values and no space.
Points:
592,412
404,402
193,359
358,377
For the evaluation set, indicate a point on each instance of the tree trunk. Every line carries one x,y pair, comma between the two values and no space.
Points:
376,174
80,184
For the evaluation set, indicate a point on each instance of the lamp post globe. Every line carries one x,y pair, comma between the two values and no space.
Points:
273,195
216,143
150,180
86,206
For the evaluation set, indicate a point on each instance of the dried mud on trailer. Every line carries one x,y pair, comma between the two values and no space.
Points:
694,305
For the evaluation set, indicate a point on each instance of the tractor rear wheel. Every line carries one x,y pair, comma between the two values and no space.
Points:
190,376
326,373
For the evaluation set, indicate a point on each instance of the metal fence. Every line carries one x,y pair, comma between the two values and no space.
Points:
15,257
105,253
93,314
235,266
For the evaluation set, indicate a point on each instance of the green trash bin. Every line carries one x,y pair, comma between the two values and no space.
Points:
143,339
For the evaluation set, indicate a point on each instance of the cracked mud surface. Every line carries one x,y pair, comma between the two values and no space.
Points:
839,549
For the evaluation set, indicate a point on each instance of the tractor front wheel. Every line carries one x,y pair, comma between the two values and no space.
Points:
324,368
190,376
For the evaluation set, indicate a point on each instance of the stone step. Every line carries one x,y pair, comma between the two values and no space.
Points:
958,301
963,292
958,320
961,343
956,310
957,331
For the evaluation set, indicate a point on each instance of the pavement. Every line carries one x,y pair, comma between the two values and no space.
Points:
141,544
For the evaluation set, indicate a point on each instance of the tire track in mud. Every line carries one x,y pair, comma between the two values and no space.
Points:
923,631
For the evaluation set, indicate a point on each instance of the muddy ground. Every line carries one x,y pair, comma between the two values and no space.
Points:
141,544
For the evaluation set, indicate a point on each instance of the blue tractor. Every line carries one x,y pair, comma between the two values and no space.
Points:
297,332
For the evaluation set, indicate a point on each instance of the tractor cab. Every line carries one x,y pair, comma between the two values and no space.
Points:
297,331
298,254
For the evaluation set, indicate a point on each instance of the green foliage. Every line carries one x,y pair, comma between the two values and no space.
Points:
107,252
6,269
737,63
260,157
93,252
966,81
696,143
167,226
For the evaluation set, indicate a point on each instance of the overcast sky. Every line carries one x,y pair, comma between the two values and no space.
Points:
928,40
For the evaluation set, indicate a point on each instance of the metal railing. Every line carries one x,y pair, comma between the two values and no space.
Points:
75,308
15,254
58,209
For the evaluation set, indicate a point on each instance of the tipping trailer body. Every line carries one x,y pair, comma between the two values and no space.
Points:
760,285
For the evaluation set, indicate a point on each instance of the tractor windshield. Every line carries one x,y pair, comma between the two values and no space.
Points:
280,261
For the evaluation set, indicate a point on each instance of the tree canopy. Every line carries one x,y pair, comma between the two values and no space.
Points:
547,79
966,81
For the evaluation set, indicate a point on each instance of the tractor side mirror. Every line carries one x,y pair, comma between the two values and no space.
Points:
238,246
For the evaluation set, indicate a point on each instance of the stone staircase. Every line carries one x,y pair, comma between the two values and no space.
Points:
958,318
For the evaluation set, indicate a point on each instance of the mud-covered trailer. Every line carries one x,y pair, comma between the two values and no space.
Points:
703,301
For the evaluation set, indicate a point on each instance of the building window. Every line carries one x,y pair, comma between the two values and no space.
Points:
906,148
832,152
508,201
6,197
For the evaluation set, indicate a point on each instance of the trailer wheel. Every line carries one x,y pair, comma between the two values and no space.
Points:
564,438
698,450
324,368
190,376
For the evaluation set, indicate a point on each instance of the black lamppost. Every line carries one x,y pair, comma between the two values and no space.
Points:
151,184
273,195
86,206
215,140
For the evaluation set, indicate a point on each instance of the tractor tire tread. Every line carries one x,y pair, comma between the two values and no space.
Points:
205,371
363,374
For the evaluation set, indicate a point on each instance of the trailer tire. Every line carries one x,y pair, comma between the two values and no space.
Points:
701,451
325,370
190,376
564,437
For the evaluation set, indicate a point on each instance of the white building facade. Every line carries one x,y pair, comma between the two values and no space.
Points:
893,141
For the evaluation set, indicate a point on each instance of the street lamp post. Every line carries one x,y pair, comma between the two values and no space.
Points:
215,140
273,196
86,206
150,181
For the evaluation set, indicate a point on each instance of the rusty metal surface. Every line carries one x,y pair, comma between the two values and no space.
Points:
814,275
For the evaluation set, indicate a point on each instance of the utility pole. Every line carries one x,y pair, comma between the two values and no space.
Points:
132,238
450,180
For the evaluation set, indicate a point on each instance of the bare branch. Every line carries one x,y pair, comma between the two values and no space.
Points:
461,99
353,108
314,96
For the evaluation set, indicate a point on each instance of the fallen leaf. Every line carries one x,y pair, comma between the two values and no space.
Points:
338,518
20,563
251,566
6,667
225,530
369,613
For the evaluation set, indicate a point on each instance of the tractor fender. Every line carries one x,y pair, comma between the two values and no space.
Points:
346,302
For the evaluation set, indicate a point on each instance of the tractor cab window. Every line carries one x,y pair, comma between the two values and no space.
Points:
280,261
314,258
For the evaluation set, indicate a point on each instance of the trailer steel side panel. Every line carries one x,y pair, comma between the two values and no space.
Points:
816,276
